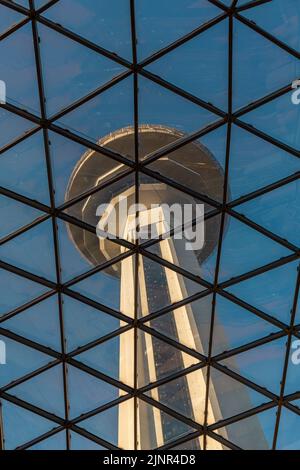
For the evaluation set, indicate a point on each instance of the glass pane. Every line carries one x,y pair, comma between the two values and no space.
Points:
106,203
279,119
18,69
158,359
16,291
12,126
199,165
273,17
245,249
20,360
157,26
281,206
162,108
106,23
105,288
45,391
113,358
262,365
84,324
8,18
81,250
243,433
288,433
56,442
186,395
79,442
235,326
228,397
199,66
21,426
71,70
276,67
195,245
272,292
163,428
38,240
189,325
27,163
40,323
68,157
96,119
160,286
15,215
106,425
87,393
254,163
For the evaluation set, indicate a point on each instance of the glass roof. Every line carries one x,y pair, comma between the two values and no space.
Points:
210,75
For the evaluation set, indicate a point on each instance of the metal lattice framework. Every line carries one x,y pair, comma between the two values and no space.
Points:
136,167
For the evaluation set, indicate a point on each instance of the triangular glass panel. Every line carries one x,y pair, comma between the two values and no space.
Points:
198,165
254,433
273,17
193,444
228,397
16,291
276,67
188,250
292,385
45,391
160,286
157,359
8,18
12,126
20,360
198,444
113,358
288,433
106,205
40,3
37,240
158,428
68,158
18,69
157,27
84,324
235,326
56,442
116,426
189,325
186,395
109,424
14,215
27,162
277,211
255,163
73,71
87,392
81,250
272,292
278,119
21,426
106,119
40,323
107,288
245,249
23,3
262,364
79,442
200,66
165,117
106,23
